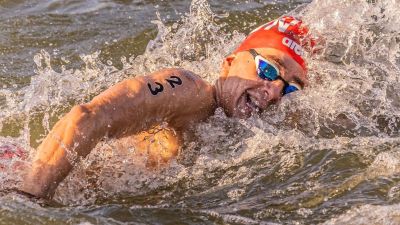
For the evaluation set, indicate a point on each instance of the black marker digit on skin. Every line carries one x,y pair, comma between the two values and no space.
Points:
176,80
156,90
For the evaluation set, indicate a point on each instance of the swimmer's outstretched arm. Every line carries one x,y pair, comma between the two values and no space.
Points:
175,96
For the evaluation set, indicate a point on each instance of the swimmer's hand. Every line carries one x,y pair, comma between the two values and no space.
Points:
175,96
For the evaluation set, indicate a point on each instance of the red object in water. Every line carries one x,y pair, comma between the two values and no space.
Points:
10,152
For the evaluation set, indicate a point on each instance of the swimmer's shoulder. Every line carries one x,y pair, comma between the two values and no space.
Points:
179,96
177,78
178,72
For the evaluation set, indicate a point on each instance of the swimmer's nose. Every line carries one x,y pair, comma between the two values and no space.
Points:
264,95
273,89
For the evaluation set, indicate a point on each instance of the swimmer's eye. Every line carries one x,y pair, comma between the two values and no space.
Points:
266,70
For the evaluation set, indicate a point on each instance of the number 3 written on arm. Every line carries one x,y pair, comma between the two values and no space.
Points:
173,80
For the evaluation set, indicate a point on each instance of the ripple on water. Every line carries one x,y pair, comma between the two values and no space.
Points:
327,154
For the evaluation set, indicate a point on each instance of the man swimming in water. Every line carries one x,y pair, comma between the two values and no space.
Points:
265,67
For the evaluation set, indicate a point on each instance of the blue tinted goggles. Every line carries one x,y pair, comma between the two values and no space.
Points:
268,71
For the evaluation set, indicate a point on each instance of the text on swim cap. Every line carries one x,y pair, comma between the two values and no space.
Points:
282,25
293,45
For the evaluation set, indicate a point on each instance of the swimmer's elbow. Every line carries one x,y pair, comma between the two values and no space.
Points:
83,128
82,118
79,113
80,110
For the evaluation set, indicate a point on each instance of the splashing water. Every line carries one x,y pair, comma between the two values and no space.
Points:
328,154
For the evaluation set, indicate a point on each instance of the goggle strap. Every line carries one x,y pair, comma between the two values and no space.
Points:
253,53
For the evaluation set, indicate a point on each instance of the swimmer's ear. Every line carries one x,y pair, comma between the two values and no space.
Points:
226,65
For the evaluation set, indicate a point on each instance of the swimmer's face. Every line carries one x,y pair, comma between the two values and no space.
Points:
241,91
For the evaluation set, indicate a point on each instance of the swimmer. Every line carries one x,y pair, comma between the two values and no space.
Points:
267,66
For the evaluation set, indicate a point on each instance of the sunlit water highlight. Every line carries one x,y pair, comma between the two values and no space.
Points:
329,154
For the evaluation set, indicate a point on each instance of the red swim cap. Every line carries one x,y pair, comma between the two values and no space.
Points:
284,34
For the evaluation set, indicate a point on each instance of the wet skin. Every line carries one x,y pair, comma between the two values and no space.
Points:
241,92
173,96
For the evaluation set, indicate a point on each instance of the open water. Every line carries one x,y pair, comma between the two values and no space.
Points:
327,155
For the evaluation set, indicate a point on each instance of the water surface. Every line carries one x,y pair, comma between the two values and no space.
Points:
329,154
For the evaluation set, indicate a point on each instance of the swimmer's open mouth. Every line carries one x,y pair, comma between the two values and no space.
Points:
246,105
251,103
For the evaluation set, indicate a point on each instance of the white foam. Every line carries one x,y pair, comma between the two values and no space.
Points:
369,214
